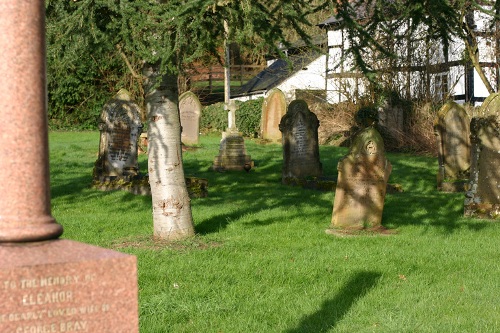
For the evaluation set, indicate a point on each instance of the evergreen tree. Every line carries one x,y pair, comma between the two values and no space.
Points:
166,36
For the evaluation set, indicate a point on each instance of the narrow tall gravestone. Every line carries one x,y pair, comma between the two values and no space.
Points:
299,129
46,284
120,126
362,182
273,109
452,130
189,112
482,199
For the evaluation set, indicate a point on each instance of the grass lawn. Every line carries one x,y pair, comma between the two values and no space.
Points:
261,261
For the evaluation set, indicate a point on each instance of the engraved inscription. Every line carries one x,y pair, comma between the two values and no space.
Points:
299,133
49,304
120,144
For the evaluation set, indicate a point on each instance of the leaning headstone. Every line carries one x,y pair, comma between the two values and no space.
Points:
273,109
299,127
189,112
361,187
46,285
482,199
452,130
120,126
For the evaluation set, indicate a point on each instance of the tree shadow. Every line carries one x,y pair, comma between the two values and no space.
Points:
334,310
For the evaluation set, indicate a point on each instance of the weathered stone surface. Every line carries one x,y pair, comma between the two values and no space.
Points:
232,154
189,112
66,286
299,127
24,182
362,182
452,130
482,199
120,127
273,109
46,285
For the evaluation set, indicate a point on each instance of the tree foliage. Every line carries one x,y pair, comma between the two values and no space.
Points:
433,20
96,47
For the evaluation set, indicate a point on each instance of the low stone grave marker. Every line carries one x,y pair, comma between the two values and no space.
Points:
232,151
482,199
189,112
273,109
452,130
120,127
299,127
361,187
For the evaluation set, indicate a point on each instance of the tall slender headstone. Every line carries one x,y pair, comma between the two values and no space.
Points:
120,126
299,127
46,284
362,181
189,112
452,130
482,199
273,109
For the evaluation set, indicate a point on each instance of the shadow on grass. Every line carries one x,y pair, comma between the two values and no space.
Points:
333,310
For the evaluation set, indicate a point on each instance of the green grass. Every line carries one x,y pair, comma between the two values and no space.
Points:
261,261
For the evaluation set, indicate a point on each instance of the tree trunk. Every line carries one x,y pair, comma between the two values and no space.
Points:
172,217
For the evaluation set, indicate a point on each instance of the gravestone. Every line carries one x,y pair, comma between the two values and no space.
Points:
273,109
189,112
299,127
482,199
392,118
452,130
361,187
120,126
46,285
232,151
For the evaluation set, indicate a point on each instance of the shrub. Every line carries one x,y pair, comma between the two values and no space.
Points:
214,117
248,117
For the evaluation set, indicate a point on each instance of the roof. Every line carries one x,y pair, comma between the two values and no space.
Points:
276,73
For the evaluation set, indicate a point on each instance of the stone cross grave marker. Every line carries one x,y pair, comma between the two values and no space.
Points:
482,199
452,130
190,112
299,127
273,109
362,181
46,284
120,127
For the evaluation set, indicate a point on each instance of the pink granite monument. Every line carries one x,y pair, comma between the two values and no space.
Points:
46,284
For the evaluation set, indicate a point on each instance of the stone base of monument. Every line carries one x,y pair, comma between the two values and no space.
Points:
232,154
197,187
482,210
351,232
66,286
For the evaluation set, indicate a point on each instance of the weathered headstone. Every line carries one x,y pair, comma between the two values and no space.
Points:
482,199
120,127
190,112
232,151
392,118
46,285
452,130
299,127
273,109
362,181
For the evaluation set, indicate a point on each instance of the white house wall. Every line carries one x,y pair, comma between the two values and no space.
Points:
310,78
343,85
